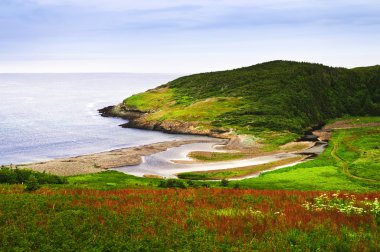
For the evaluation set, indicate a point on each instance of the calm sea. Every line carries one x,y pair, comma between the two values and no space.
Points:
45,116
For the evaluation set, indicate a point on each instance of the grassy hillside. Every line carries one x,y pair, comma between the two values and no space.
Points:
277,96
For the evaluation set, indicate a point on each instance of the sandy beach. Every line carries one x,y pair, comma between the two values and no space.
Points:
99,162
159,159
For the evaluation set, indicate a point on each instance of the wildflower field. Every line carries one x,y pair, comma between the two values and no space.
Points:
190,219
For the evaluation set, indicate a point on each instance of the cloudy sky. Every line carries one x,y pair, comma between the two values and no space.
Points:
184,36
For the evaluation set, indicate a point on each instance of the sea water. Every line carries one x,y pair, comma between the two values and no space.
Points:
46,116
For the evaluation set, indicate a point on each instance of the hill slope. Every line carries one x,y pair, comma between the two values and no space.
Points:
279,96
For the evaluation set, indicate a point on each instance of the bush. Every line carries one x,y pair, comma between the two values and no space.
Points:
172,183
32,184
224,182
21,176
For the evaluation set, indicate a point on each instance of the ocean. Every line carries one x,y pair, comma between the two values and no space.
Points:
46,116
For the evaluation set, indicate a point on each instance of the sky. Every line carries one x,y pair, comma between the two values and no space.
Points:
184,36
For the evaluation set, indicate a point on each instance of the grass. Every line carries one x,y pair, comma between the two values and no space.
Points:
179,220
272,140
354,120
360,120
216,156
109,180
357,149
201,111
236,172
151,100
360,152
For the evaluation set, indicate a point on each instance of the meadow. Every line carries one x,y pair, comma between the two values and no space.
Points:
185,220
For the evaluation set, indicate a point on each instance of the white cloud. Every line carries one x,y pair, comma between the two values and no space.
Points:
162,4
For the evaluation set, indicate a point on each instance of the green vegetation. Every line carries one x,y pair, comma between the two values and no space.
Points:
236,172
347,204
202,111
151,100
278,96
21,176
349,163
363,120
359,152
32,184
216,156
180,220
110,180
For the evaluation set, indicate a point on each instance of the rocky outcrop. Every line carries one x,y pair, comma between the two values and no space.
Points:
139,119
122,112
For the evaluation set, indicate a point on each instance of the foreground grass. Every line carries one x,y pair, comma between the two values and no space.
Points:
111,180
178,220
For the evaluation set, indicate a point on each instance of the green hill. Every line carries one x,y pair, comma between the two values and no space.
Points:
279,96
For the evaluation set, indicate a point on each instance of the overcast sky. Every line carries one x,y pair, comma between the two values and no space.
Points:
184,36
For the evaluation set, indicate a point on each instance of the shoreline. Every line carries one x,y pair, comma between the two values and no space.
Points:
163,165
133,156
121,159
136,120
102,161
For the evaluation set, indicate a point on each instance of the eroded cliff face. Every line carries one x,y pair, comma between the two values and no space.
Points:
139,119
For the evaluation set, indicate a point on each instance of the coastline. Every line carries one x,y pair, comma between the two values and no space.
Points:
137,120
98,162
132,156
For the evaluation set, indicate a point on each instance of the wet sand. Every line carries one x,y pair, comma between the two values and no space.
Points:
165,159
165,164
99,162
159,166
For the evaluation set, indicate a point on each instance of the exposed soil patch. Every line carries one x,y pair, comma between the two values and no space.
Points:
325,133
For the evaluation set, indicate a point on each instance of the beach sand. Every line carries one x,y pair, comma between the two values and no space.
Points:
99,162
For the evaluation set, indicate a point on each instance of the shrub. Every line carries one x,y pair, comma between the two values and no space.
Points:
224,182
32,184
21,176
172,183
